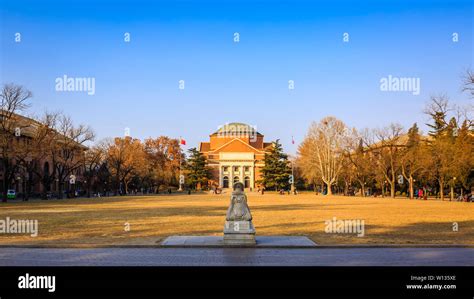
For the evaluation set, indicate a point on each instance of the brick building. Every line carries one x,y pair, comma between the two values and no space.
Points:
32,179
235,153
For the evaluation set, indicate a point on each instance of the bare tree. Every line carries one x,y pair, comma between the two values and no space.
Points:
163,155
360,159
322,152
414,157
14,100
125,158
441,143
468,82
45,144
464,159
67,148
387,153
94,159
32,150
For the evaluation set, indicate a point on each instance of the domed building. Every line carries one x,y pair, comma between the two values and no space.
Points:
235,153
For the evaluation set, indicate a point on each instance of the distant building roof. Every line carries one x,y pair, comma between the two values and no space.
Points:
29,126
236,128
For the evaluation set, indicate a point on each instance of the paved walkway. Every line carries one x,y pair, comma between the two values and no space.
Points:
262,242
237,257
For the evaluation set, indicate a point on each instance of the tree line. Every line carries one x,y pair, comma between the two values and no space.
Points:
331,158
391,159
50,150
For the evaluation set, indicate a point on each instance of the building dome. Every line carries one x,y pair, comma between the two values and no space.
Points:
236,128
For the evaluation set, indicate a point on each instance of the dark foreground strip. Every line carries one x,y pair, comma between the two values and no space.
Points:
243,282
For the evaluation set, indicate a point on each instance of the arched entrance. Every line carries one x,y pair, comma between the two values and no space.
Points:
236,179
225,182
247,182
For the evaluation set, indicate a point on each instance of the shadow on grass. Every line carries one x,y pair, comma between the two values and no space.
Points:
120,212
415,233
422,233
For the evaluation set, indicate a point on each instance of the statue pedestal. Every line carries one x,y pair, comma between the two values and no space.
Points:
239,233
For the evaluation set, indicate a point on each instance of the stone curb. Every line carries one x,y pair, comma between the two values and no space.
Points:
334,246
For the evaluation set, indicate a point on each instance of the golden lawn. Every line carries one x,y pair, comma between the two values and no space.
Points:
103,221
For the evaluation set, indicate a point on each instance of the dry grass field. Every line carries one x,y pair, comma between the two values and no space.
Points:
101,221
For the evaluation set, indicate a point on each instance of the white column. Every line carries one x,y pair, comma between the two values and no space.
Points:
242,174
220,176
231,179
252,183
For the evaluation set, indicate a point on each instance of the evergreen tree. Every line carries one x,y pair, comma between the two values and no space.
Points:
198,174
441,145
439,124
413,136
276,172
452,129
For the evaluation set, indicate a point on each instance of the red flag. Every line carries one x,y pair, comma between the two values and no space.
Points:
182,141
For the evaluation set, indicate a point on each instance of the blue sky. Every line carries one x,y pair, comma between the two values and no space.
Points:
137,82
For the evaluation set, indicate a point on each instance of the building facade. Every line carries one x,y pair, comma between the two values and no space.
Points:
32,168
235,153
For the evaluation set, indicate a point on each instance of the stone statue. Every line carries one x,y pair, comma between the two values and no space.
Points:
238,209
238,229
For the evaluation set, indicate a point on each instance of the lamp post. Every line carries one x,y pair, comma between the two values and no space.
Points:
292,180
57,187
18,178
86,187
412,196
